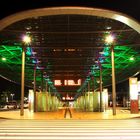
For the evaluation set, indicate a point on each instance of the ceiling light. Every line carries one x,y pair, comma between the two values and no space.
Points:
3,59
108,27
26,39
131,58
109,39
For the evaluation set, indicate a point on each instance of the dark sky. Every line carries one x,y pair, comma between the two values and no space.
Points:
8,7
130,7
14,88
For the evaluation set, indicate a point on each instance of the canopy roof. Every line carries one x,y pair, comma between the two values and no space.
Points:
69,47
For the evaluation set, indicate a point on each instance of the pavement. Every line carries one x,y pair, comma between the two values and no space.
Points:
128,129
69,125
121,113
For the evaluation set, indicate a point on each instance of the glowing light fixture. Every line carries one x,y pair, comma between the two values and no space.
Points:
133,88
108,27
3,59
131,58
26,39
109,39
31,100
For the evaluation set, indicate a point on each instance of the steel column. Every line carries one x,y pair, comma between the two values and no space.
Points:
113,81
35,88
22,81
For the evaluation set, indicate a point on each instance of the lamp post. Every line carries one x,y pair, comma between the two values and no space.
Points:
35,88
113,81
101,87
26,40
110,40
88,95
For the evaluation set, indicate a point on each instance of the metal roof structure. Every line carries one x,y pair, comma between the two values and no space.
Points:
69,47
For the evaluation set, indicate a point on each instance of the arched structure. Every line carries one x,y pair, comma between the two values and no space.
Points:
70,10
78,11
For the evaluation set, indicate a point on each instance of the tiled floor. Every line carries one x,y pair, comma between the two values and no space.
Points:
120,114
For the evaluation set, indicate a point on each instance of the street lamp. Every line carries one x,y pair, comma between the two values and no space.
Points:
26,41
110,40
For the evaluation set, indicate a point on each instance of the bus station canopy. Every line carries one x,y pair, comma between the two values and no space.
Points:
69,47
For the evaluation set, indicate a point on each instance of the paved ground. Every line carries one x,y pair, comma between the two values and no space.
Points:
121,114
128,129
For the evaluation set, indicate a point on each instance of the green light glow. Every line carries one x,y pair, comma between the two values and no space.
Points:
29,52
131,59
123,55
3,59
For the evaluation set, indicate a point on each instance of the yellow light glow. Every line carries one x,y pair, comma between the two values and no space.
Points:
67,82
3,59
105,97
132,59
26,39
138,86
31,100
109,39
57,83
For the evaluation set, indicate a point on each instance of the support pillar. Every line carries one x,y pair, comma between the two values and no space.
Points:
113,81
42,81
88,95
133,88
47,96
92,92
35,109
85,101
22,81
101,88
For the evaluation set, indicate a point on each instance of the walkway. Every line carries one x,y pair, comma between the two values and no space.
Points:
121,114
70,129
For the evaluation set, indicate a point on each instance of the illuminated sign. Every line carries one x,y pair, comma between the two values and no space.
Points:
133,87
138,86
67,82
57,83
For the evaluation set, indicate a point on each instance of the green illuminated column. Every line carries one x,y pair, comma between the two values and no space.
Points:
35,88
22,81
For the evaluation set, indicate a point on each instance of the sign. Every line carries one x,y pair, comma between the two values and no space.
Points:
133,88
57,83
67,82
138,86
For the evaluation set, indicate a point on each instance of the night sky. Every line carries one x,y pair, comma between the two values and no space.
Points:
130,7
14,88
